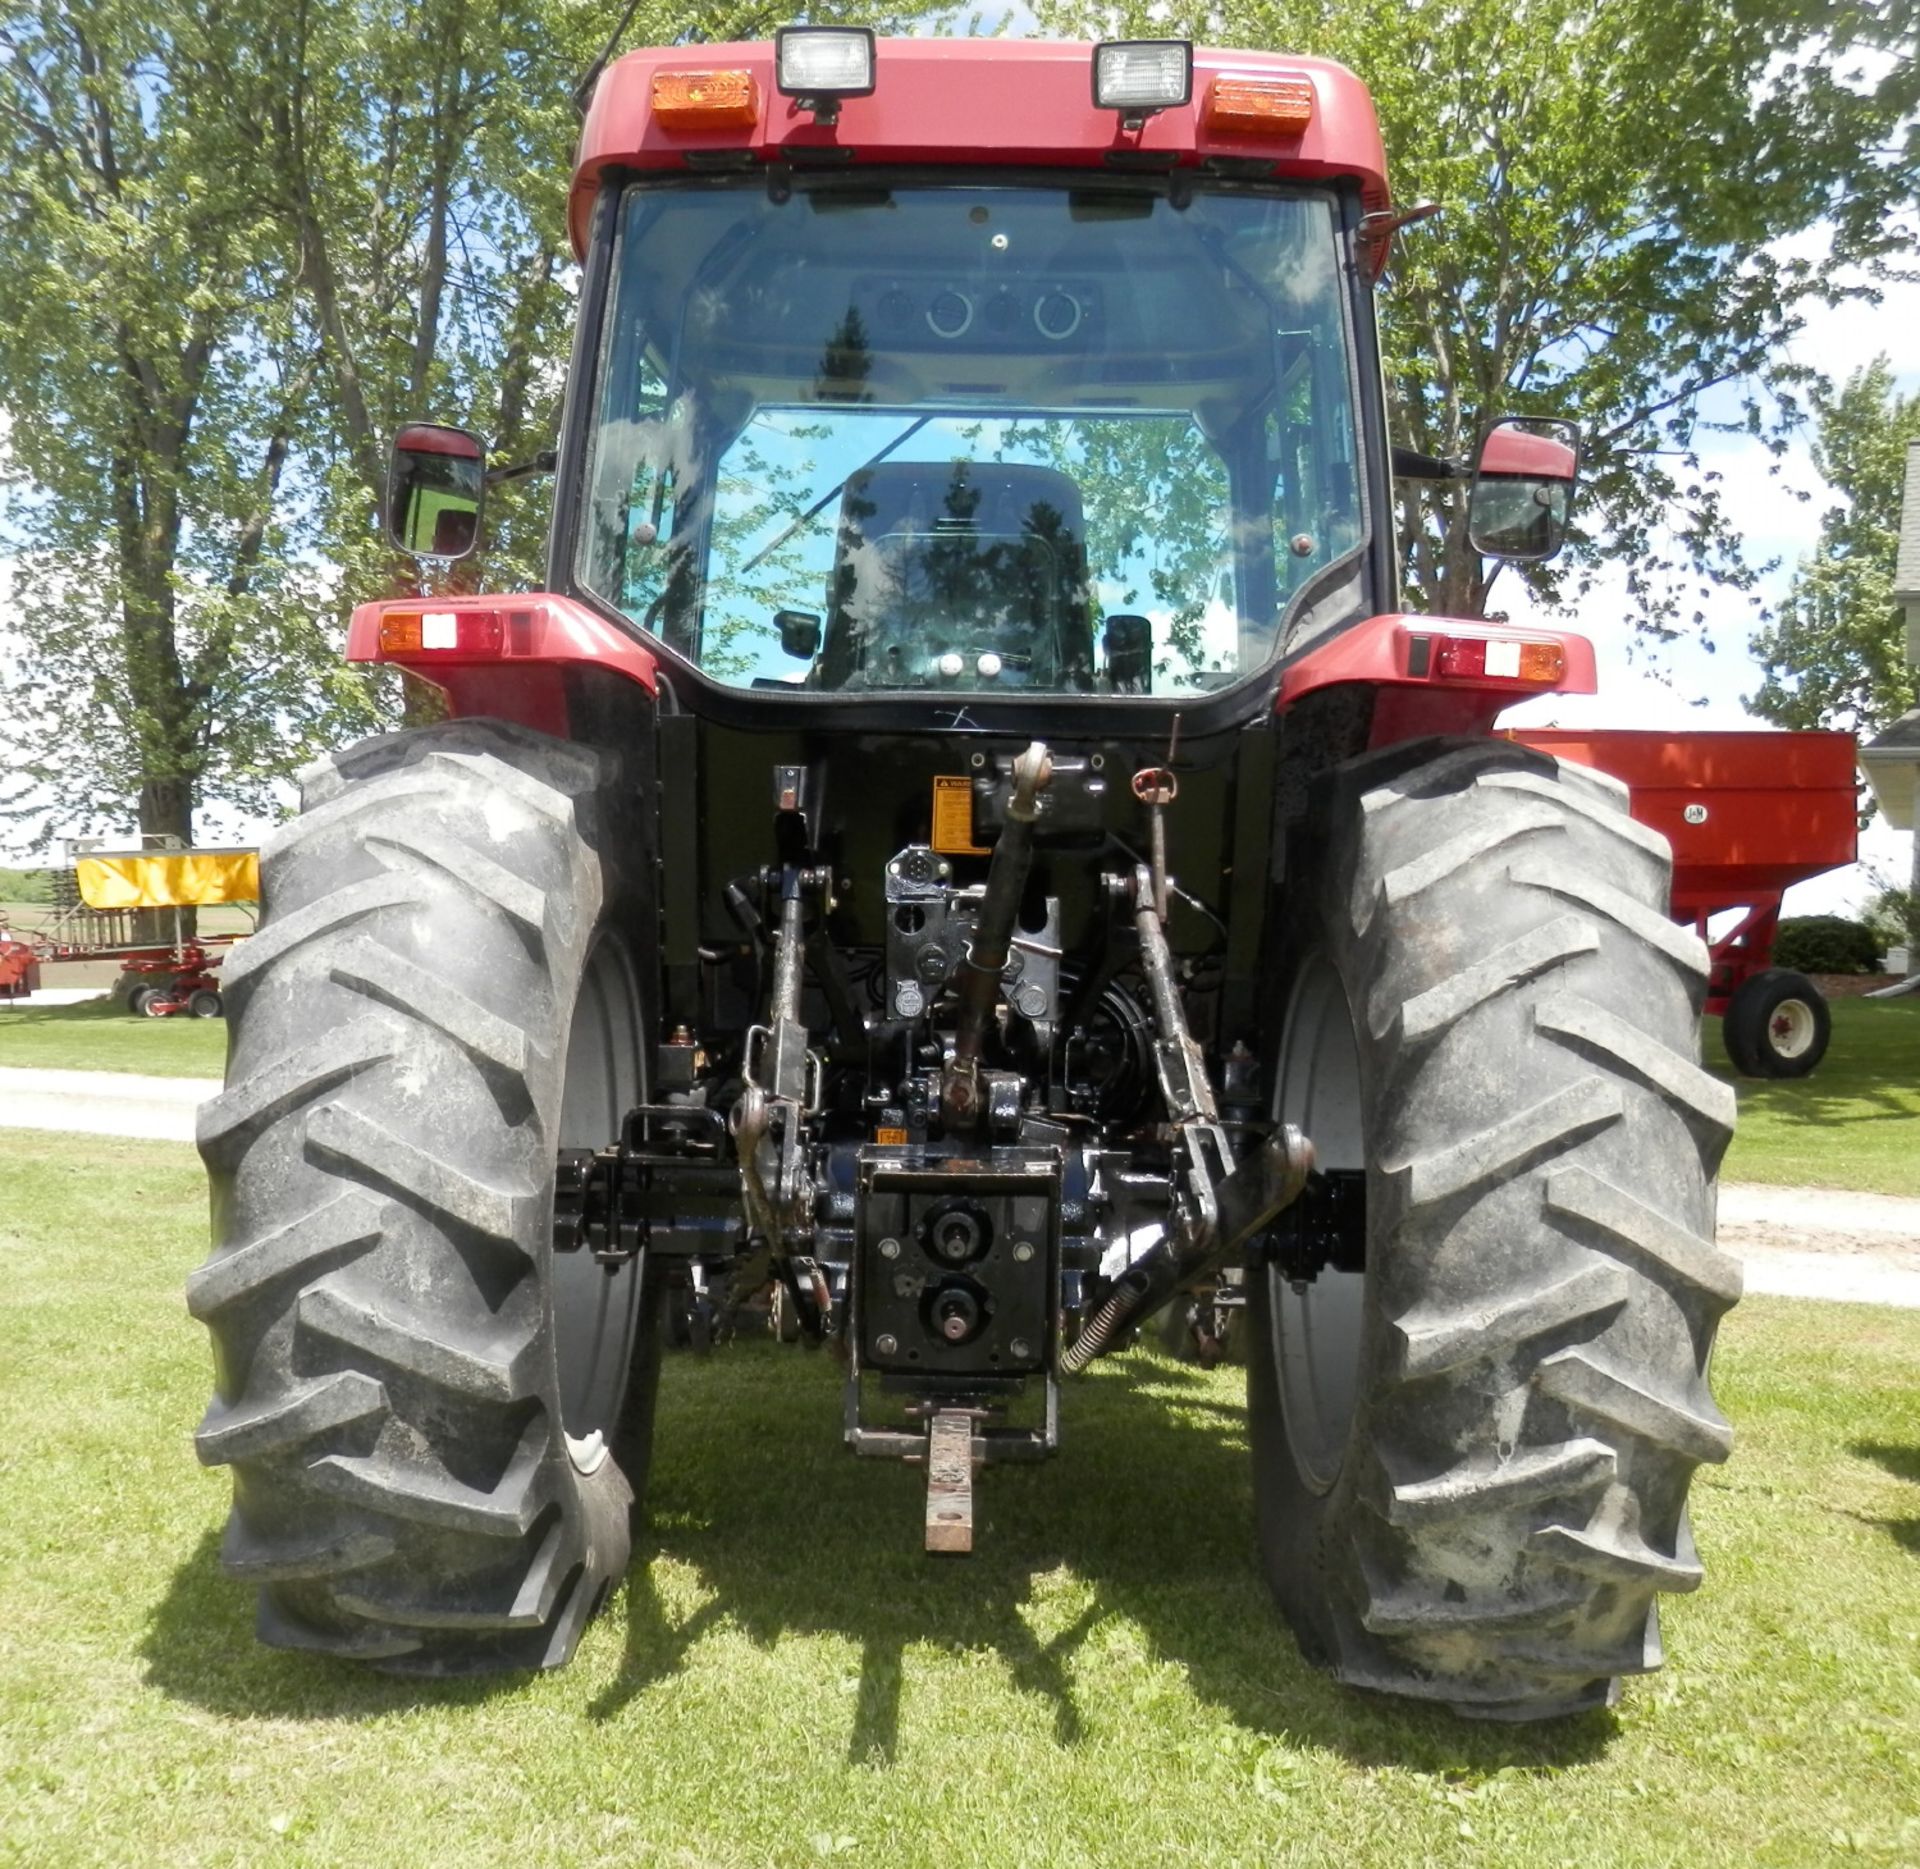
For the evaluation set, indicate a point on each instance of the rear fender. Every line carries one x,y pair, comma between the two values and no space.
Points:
507,658
1414,665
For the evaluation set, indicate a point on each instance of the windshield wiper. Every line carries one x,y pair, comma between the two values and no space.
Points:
833,493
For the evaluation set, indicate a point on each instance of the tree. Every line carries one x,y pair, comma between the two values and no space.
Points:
1836,654
1616,180
419,164
242,246
1894,915
154,378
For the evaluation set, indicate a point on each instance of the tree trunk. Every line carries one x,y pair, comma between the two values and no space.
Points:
166,810
1463,581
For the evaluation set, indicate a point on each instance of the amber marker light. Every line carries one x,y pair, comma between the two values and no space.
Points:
1250,106
467,632
706,100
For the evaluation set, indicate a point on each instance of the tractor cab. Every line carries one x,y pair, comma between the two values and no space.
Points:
962,418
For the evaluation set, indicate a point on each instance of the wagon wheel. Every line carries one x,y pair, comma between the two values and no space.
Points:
1777,1025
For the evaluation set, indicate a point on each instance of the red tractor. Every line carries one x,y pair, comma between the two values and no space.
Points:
966,835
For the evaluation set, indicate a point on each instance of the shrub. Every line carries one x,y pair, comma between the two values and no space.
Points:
1894,915
1827,944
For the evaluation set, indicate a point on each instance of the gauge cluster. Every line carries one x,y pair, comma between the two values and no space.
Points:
904,313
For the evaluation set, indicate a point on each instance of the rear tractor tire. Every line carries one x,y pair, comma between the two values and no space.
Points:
438,1426
1471,1459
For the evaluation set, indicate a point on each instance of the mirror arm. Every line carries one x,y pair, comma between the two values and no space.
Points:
1411,464
540,464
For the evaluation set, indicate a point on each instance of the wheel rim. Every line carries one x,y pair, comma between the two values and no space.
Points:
1316,1332
596,1313
1791,1029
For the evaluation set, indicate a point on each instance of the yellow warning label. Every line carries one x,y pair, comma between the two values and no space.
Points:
953,816
890,1138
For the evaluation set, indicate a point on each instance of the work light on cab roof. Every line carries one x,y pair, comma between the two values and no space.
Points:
1137,77
818,66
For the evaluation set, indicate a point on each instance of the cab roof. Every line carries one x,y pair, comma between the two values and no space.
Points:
971,104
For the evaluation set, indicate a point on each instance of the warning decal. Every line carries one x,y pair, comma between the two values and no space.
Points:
953,816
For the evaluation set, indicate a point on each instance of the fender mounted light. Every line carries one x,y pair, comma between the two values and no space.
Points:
1255,106
1477,659
706,100
463,632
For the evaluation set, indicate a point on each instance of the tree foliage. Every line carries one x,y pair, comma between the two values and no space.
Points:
1894,917
154,377
241,245
1617,184
417,161
1835,656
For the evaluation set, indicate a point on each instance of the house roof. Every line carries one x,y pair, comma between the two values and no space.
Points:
1902,737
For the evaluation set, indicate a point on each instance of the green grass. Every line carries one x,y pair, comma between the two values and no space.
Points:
1854,1123
101,1035
28,911
784,1679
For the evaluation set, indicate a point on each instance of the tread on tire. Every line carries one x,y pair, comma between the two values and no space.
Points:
393,1335
1495,1509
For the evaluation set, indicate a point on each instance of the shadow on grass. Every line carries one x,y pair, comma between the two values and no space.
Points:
80,1012
1867,1077
1841,1106
200,1647
1904,1464
1146,1516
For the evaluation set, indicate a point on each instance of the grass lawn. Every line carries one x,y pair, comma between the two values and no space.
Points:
98,1035
1854,1123
788,1680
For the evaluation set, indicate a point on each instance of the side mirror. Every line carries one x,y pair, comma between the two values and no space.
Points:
799,632
1522,487
434,488
1128,643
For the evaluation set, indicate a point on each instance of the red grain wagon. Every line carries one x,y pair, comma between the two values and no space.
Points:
1748,815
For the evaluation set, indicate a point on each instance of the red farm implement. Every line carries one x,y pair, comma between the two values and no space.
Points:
1748,815
131,907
